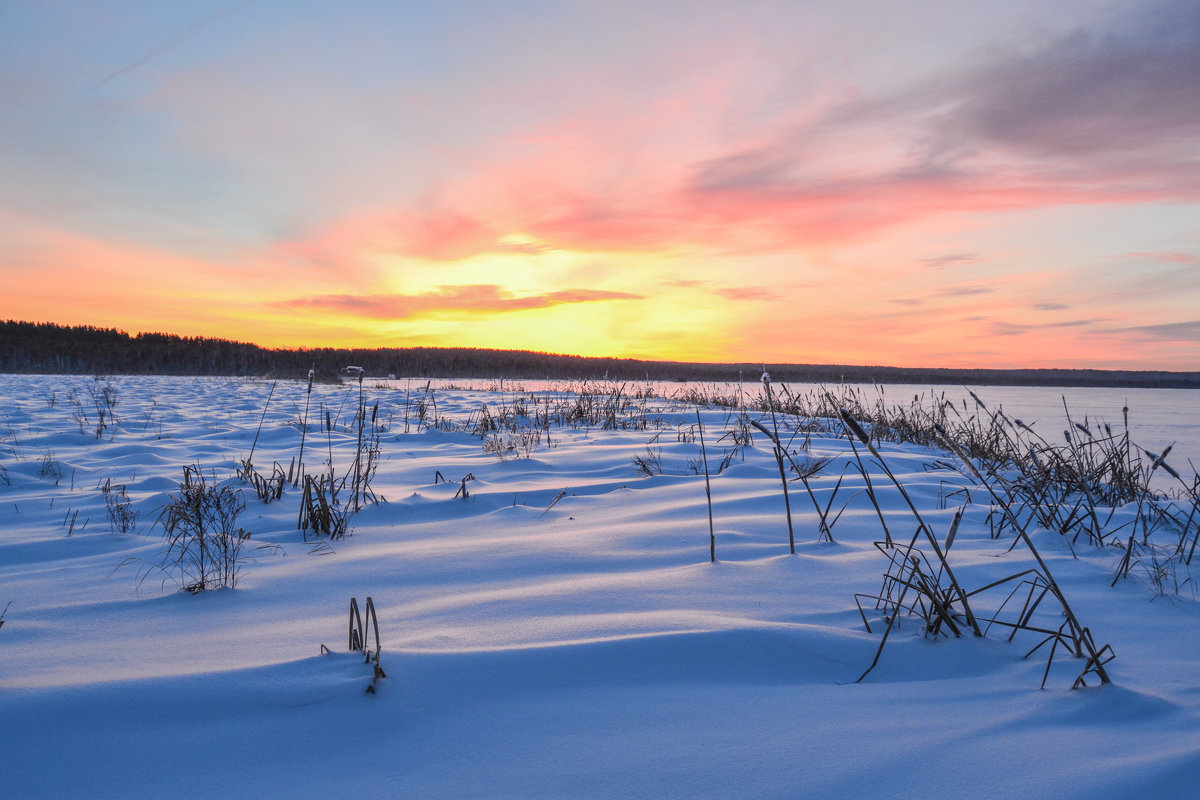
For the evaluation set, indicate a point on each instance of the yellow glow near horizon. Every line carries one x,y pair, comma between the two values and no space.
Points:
521,295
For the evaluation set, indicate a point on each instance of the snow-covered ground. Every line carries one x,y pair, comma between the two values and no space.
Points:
559,632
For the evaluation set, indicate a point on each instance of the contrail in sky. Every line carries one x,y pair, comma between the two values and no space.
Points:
174,42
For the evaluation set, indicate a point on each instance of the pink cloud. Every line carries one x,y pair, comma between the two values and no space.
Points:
475,299
654,171
669,212
747,293
1169,256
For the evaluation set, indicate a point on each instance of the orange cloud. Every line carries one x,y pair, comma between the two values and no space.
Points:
448,300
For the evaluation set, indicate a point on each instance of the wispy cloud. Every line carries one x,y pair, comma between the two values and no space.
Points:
747,293
1108,113
999,328
474,299
1169,256
1123,95
437,236
965,290
175,41
433,234
523,248
1175,331
1073,323
952,260
995,327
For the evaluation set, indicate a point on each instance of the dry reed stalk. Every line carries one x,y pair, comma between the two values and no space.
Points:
270,394
304,426
922,527
826,527
787,503
1080,636
712,536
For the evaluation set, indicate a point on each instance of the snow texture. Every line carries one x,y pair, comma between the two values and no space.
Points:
560,632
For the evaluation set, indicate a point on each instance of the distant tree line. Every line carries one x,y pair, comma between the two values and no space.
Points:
42,347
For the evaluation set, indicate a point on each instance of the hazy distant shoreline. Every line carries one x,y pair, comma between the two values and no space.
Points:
27,347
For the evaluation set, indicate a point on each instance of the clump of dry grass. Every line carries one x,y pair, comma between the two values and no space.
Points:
121,516
939,599
1071,633
103,400
507,446
205,548
361,626
649,462
267,488
50,468
1074,484
320,510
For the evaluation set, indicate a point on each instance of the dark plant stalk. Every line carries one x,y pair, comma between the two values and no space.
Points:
712,536
787,503
250,458
826,531
304,426
362,421
1080,635
922,527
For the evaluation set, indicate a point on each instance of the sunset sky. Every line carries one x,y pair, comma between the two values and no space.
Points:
922,183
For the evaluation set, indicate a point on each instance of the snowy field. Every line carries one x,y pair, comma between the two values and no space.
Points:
560,630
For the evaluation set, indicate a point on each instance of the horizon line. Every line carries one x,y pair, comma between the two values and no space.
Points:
766,366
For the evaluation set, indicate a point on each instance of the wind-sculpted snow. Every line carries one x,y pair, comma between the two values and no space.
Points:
557,632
